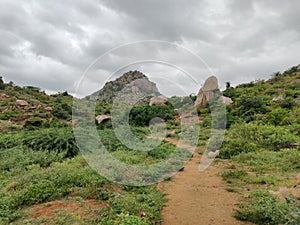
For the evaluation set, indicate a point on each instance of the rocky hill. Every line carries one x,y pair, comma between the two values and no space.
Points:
132,81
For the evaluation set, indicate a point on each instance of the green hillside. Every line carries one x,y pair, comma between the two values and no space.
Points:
263,147
29,107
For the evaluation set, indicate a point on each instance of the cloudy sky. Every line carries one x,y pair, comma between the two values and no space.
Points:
51,44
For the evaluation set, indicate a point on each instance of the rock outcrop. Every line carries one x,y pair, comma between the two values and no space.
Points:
158,100
129,84
207,92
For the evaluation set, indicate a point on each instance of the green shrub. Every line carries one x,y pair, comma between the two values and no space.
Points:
276,117
235,147
261,207
288,103
142,115
249,106
268,161
2,85
57,140
126,208
9,114
233,174
63,111
10,140
263,136
125,219
20,157
33,123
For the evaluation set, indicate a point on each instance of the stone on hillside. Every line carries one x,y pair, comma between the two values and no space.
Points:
278,99
4,96
21,102
213,154
158,100
296,193
48,108
102,118
226,100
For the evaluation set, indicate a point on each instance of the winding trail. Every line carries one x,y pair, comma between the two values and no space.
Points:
196,198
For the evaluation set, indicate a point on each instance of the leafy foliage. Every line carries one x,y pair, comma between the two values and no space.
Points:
57,140
2,85
261,207
142,115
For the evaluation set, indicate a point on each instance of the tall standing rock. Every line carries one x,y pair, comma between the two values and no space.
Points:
206,93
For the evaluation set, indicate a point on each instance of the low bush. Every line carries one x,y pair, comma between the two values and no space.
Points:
142,115
235,147
261,207
33,123
57,140
265,161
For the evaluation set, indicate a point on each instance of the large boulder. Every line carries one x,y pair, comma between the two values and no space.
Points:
158,100
206,93
103,118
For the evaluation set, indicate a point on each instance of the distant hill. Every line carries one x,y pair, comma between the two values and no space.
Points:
112,88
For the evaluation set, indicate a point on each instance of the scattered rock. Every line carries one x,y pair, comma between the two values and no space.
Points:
48,109
102,118
226,100
4,96
282,193
158,100
213,154
296,193
21,102
278,98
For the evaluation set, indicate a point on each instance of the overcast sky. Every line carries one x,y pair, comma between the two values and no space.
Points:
51,43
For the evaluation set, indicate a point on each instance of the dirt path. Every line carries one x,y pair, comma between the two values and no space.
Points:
197,198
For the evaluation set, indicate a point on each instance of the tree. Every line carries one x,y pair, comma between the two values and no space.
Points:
228,85
2,85
248,106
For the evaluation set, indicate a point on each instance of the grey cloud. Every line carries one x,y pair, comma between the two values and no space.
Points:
51,43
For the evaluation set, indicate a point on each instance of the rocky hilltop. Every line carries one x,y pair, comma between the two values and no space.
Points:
132,82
